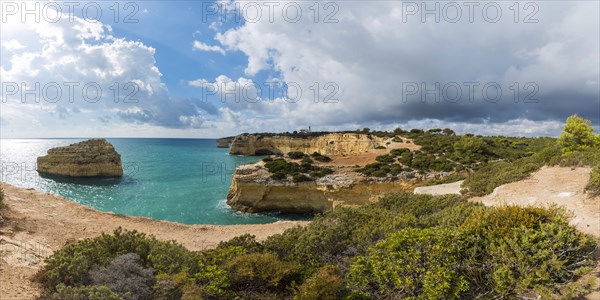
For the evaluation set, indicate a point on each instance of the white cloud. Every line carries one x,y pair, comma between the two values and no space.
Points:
12,45
69,63
369,58
208,48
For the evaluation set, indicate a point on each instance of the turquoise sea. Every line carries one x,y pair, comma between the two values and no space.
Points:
180,180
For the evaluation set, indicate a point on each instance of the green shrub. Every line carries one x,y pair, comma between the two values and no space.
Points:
593,185
260,271
469,149
296,155
171,286
301,178
278,176
386,159
534,260
246,241
281,165
326,283
589,157
320,172
399,151
280,169
411,263
395,169
321,158
306,160
380,147
93,292
212,277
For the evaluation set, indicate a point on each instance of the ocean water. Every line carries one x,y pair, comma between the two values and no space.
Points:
180,180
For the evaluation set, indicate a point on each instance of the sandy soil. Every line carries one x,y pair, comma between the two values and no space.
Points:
37,224
440,189
553,185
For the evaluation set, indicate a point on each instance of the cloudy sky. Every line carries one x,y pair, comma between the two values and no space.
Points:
211,69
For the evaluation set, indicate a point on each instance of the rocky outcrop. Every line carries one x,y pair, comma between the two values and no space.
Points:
326,144
224,142
91,158
252,190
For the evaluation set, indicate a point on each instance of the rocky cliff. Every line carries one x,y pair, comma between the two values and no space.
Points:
91,158
224,142
327,144
252,190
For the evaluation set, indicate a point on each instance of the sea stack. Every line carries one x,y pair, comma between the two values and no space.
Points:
91,158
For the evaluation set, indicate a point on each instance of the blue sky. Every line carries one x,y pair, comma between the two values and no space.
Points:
382,64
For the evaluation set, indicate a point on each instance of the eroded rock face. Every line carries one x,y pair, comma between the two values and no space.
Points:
327,144
91,158
252,190
224,142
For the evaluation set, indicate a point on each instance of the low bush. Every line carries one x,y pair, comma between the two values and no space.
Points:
301,178
93,292
399,152
260,272
326,283
321,158
412,263
593,185
589,157
246,241
126,276
1,198
296,155
386,159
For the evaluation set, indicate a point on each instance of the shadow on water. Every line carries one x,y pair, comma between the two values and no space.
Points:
90,181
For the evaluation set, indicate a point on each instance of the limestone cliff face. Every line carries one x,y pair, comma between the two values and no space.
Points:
224,142
252,190
327,144
91,158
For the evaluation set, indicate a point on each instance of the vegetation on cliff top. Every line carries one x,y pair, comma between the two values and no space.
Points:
408,246
280,168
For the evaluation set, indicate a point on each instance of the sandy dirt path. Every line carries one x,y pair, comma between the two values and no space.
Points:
37,224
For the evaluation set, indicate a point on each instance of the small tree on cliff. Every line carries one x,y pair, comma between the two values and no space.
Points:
577,135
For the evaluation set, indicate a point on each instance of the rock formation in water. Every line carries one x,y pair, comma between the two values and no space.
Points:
224,142
326,144
91,158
